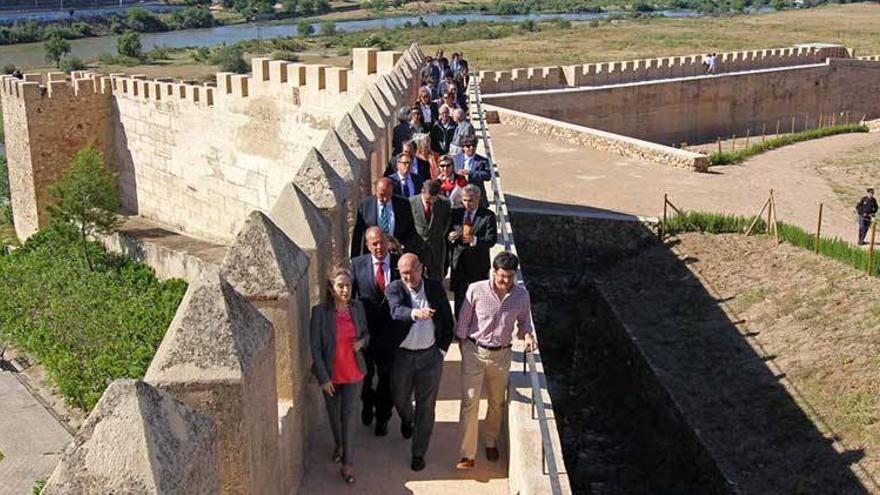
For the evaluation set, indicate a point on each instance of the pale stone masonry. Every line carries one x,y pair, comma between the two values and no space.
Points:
272,163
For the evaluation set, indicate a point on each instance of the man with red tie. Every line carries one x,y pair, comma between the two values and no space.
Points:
472,233
431,215
371,274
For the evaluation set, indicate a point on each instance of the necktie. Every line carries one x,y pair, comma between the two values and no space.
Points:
428,212
404,187
384,220
468,224
380,276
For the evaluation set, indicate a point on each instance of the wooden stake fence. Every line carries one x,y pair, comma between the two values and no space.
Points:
819,228
748,133
870,267
661,231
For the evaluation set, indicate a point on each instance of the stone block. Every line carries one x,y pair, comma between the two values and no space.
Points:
218,357
265,266
296,74
364,61
260,69
59,89
316,77
56,76
336,80
240,85
139,440
298,217
327,190
386,60
278,71
37,78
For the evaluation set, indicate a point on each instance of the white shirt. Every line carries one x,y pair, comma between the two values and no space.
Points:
426,113
386,268
409,184
421,333
379,206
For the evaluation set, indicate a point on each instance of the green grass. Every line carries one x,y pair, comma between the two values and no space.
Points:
87,328
730,157
716,223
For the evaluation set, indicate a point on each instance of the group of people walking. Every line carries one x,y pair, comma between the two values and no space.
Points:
380,337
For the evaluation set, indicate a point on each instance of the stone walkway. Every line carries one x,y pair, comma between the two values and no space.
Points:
382,463
30,438
545,173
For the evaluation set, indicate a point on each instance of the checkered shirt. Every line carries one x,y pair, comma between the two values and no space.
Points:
490,320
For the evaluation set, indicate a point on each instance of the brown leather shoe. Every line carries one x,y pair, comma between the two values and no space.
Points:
465,463
492,454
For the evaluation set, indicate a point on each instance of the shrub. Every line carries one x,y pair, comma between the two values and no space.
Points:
87,328
192,17
85,199
159,53
8,69
72,63
561,23
285,55
529,25
729,157
129,45
304,28
230,59
56,48
202,54
327,28
144,21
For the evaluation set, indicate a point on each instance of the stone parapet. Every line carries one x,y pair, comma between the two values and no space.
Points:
601,140
599,74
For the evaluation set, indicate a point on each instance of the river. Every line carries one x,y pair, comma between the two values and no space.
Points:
31,55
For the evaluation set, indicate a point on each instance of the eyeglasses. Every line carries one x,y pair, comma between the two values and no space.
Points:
404,162
445,164
468,145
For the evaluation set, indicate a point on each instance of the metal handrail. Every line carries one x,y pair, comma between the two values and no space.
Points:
529,365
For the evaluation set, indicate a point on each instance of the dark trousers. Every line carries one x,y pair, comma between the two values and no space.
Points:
341,408
417,373
864,225
378,398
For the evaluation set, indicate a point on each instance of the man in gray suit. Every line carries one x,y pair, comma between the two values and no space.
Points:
431,214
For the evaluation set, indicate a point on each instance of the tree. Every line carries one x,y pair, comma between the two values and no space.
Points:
304,28
85,199
230,59
327,28
56,48
129,45
289,6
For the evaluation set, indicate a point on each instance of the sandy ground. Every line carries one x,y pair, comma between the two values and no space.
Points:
771,353
539,171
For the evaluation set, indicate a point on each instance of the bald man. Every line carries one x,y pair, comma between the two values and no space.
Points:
425,329
389,212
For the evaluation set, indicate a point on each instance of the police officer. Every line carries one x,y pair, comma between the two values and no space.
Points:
866,209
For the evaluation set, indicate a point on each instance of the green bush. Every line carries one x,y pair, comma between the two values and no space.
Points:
129,45
730,157
716,223
144,21
56,48
230,58
285,55
72,63
86,328
304,28
192,18
327,28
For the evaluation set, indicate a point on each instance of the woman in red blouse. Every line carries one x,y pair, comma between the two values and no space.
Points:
338,333
451,184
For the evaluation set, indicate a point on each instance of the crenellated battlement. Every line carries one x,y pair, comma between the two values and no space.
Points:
599,74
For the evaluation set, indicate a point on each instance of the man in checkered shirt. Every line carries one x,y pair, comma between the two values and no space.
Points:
485,326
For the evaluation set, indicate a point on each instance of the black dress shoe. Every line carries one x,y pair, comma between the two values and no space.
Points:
492,454
367,415
406,429
381,428
418,463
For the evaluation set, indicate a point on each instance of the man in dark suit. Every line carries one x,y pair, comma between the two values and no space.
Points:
371,275
406,184
391,213
403,131
473,166
420,307
431,213
473,232
417,167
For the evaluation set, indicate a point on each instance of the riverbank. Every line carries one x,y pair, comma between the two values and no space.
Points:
505,45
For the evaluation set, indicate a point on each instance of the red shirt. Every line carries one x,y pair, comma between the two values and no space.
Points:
345,366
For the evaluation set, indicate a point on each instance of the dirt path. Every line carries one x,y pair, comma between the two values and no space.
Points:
537,170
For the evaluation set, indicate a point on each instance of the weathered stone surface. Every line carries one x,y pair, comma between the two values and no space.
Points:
218,357
352,136
263,262
320,182
139,440
340,157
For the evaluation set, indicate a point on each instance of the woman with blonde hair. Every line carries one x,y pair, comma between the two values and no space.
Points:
338,333
425,154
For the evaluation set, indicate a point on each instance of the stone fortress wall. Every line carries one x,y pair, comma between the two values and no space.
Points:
194,158
600,74
228,400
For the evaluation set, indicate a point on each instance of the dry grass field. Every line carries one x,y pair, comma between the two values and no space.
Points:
854,25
